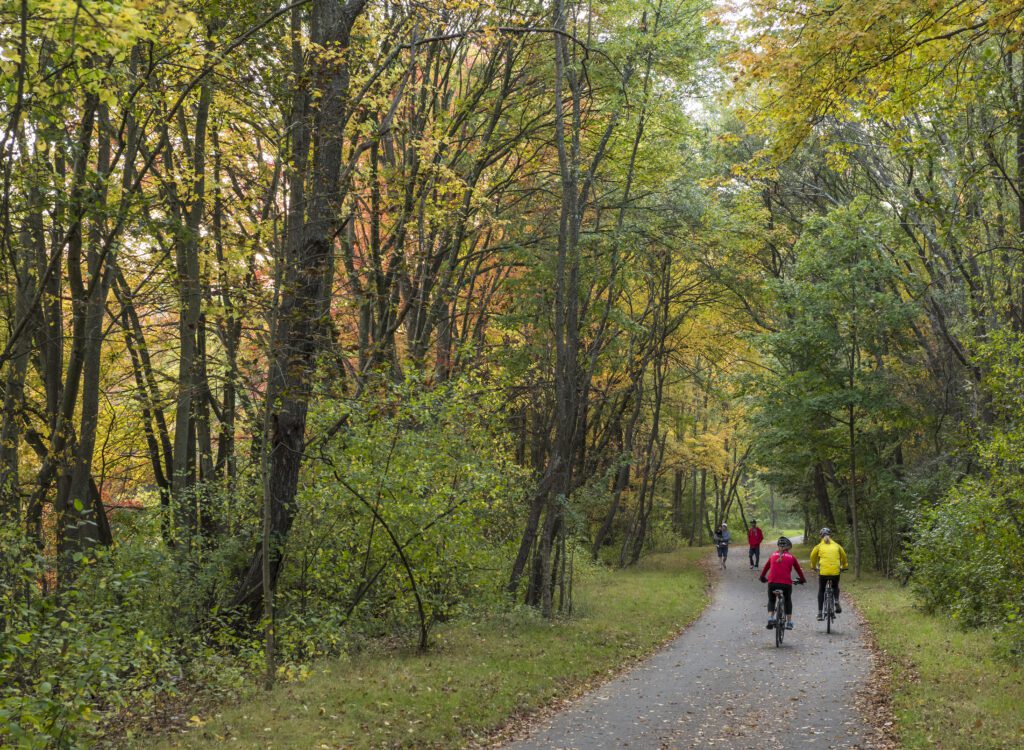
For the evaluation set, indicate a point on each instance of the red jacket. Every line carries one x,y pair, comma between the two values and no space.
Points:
779,568
755,536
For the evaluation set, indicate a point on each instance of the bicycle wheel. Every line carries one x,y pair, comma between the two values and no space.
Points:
830,608
780,624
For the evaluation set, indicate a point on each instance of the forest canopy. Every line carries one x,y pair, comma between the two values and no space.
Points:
333,320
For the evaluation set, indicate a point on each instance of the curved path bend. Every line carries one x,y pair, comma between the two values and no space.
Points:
724,684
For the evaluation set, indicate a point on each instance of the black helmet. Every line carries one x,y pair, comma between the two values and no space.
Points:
825,532
784,542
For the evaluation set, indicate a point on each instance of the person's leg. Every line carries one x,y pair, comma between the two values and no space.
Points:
787,601
757,556
750,555
772,588
821,592
835,591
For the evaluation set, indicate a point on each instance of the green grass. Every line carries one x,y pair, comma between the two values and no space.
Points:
771,535
949,688
477,676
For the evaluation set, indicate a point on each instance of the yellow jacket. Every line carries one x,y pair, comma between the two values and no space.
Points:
828,558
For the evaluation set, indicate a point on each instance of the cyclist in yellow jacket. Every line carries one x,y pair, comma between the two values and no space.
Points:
829,559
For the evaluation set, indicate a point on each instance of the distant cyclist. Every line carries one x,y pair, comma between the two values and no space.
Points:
778,574
829,559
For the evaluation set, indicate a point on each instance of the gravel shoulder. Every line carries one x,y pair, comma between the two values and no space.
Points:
724,684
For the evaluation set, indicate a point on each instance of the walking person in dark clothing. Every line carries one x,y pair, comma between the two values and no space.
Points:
722,539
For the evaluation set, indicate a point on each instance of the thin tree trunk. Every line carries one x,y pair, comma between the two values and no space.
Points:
677,502
695,518
622,473
14,394
821,494
704,501
190,331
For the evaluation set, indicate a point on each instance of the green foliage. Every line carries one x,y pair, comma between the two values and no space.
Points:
841,328
982,517
517,659
134,627
969,557
940,673
142,623
63,656
415,504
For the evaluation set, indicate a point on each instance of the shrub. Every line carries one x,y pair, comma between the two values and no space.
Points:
406,519
408,515
133,627
968,559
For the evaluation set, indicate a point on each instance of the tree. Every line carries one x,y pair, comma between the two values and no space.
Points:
843,322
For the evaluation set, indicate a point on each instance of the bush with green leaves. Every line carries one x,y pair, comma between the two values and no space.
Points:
969,556
407,514
133,627
64,656
968,559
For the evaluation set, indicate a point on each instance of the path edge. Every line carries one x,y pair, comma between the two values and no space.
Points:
519,725
873,699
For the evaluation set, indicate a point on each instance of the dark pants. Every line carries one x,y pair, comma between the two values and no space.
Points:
755,556
821,590
787,596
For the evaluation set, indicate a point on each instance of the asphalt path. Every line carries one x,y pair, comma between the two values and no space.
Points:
724,684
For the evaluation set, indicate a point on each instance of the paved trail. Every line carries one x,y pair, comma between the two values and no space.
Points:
724,684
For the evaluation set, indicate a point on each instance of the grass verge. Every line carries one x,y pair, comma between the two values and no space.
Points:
479,676
949,688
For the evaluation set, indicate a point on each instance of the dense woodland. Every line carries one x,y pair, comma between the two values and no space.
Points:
338,319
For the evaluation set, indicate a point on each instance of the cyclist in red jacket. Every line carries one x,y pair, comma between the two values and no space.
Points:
778,574
754,538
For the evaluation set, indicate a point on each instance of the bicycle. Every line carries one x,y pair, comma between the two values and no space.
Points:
780,616
829,608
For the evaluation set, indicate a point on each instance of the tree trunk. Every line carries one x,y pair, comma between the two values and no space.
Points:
821,495
677,503
76,523
695,517
622,473
14,393
704,501
190,330
566,300
297,336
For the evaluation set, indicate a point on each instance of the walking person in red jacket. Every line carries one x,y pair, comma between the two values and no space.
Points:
778,574
754,538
